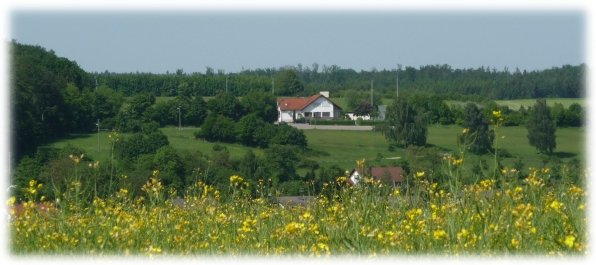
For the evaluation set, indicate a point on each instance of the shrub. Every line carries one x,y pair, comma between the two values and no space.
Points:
218,128
288,135
137,144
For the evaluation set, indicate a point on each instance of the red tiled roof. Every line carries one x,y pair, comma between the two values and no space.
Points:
387,173
300,103
296,103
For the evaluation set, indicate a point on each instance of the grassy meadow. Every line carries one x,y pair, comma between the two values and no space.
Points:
515,104
344,147
491,216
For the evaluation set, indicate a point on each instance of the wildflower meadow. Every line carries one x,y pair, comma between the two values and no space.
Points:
492,217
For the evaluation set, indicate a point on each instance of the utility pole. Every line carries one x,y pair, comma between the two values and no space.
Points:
371,92
97,124
397,82
180,120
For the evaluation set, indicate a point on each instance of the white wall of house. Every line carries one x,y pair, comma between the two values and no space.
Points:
286,116
355,177
321,108
354,117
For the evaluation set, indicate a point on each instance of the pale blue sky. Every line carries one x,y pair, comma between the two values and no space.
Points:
157,42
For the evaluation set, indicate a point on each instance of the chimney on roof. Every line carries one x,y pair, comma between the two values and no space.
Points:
324,93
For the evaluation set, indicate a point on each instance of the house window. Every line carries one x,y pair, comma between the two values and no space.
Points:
317,114
307,114
326,115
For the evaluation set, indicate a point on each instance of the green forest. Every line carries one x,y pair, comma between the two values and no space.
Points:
53,96
565,81
52,99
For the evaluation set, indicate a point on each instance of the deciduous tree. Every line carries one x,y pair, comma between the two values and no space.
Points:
404,125
541,128
478,139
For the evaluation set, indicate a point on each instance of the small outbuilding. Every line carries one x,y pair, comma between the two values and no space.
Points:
389,175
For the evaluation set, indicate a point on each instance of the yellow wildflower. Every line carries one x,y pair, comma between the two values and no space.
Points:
306,215
11,201
569,241
235,180
514,243
94,165
439,234
153,250
76,159
464,233
556,205
323,246
576,191
341,179
420,174
122,193
457,162
360,163
294,228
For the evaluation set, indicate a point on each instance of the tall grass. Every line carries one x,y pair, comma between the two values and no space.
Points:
524,216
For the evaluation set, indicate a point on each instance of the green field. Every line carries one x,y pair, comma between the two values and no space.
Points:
341,102
344,147
515,104
185,140
180,139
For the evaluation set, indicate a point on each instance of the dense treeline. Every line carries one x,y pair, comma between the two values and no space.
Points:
50,97
53,96
565,81
434,110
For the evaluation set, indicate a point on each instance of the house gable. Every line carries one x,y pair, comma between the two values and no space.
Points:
300,104
316,106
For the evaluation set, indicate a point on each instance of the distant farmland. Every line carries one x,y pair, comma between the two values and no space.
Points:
515,104
344,147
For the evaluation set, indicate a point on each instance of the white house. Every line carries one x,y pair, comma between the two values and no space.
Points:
354,177
354,117
390,175
316,106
